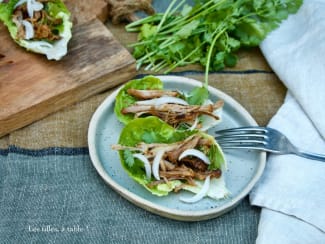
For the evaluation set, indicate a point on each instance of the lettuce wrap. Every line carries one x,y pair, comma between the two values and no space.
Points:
183,110
161,168
39,26
123,99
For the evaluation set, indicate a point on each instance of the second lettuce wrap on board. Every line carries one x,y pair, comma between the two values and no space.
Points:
39,26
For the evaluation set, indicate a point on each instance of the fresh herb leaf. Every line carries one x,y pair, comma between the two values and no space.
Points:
148,30
209,32
187,29
128,157
198,96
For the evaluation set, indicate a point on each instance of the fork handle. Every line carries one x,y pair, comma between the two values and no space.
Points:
309,155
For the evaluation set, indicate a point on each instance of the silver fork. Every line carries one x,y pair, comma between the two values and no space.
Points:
261,138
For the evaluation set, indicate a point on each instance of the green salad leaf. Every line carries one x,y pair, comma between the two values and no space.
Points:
195,97
153,130
6,10
123,99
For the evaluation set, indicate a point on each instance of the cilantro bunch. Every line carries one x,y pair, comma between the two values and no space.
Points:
208,33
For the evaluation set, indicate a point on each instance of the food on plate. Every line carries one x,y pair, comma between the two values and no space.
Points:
41,26
164,159
147,97
163,145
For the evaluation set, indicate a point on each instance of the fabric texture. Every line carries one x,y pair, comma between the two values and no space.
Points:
51,193
291,190
56,196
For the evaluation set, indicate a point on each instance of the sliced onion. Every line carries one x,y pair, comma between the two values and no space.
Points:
207,120
162,100
37,6
202,193
32,5
156,163
30,9
196,122
195,153
146,163
29,29
19,3
44,44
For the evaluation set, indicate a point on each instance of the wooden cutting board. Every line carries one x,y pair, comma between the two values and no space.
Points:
31,87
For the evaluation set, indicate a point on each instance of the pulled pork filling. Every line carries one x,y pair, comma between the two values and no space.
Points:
173,114
187,169
149,94
44,26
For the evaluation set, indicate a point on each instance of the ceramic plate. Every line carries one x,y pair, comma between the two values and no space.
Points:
244,167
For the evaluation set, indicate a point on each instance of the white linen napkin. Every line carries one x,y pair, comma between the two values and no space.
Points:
291,191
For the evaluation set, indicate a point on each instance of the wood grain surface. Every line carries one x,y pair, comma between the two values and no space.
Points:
31,87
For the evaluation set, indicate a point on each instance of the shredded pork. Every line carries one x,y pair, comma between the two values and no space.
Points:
174,114
43,24
149,94
171,113
171,168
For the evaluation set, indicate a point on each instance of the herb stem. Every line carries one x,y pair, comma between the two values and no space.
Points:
177,7
182,20
207,66
149,19
168,10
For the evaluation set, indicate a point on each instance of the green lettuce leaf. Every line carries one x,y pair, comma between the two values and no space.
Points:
196,97
153,130
6,10
53,50
123,99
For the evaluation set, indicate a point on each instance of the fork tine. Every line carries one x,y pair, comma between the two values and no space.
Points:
228,141
243,146
242,134
242,142
242,130
243,137
227,136
248,144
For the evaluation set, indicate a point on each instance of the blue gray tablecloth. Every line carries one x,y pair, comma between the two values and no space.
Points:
54,195
51,193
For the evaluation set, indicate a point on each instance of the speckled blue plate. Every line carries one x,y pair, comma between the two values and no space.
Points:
244,167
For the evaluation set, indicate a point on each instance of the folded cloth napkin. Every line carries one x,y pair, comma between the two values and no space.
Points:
291,191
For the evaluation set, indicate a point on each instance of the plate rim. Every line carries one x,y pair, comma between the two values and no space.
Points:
176,214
